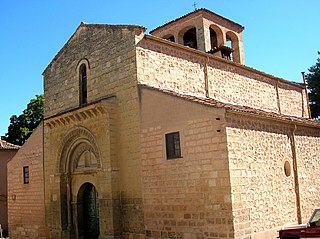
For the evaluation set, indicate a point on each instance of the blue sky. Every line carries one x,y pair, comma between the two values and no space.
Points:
281,37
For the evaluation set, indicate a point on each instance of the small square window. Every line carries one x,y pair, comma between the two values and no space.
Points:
26,174
173,148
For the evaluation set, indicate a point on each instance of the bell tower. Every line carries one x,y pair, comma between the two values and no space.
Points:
206,31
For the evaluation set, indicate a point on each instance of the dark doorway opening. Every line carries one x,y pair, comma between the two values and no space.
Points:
88,212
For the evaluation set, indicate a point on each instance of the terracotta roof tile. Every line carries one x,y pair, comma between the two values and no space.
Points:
235,108
6,145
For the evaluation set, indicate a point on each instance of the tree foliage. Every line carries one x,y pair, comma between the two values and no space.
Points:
313,84
22,126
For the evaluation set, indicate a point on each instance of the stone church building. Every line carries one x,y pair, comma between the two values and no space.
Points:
168,135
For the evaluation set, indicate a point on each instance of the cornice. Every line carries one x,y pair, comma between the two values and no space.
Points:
76,115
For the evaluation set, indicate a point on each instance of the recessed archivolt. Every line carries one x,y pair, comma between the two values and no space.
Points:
82,157
84,61
77,146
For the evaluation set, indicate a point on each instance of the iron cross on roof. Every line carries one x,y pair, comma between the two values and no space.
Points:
195,5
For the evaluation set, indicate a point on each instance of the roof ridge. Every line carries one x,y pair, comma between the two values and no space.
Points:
195,11
110,25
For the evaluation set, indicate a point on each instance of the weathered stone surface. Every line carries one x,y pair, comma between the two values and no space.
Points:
26,201
162,64
7,152
235,178
258,150
187,197
111,121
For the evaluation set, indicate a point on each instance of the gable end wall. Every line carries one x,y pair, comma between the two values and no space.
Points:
110,52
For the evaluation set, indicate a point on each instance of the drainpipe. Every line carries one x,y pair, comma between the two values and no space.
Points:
278,97
295,172
206,80
307,97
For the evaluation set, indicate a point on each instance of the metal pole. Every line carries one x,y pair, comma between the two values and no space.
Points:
295,171
307,97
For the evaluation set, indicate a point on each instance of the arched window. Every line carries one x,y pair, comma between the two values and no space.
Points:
190,38
233,42
216,37
83,84
213,39
169,38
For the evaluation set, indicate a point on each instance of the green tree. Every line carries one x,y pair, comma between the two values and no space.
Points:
313,84
22,126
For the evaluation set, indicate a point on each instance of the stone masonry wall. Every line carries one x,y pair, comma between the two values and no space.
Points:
169,65
263,195
5,156
188,197
295,102
110,52
76,123
308,155
26,201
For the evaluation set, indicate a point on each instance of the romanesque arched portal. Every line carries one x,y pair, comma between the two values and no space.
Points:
79,160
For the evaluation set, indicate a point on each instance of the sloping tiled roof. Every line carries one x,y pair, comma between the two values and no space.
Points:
193,12
6,145
235,108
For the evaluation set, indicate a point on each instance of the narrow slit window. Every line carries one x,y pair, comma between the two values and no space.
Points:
173,148
83,84
26,175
